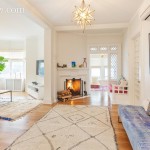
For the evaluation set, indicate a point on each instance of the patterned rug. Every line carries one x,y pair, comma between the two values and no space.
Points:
13,110
67,127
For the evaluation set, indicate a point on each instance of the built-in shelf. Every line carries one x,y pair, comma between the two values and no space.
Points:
118,89
14,84
36,91
72,68
72,72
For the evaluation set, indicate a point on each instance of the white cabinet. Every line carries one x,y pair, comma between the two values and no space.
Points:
2,84
36,91
14,84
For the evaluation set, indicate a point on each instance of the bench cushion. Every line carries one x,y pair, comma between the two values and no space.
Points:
148,109
137,125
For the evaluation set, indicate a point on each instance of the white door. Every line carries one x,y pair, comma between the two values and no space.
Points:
137,69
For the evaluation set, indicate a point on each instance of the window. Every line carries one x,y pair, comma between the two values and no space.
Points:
15,67
99,67
95,72
106,73
6,72
103,48
113,48
94,49
113,69
98,60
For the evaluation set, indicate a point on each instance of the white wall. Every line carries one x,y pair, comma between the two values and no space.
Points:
31,55
2,84
145,93
129,35
53,67
104,38
137,28
145,75
34,51
8,45
50,61
125,56
128,53
48,99
40,55
17,26
70,47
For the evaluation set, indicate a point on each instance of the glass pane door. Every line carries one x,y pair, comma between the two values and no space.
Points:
114,66
99,68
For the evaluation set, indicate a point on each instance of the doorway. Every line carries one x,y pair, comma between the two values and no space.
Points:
105,69
99,71
105,66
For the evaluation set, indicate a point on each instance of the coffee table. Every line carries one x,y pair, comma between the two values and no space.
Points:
7,91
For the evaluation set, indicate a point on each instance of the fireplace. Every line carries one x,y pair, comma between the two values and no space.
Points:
75,86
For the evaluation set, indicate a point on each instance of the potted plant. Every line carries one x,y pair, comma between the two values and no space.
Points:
2,63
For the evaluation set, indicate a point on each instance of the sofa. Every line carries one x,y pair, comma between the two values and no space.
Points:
136,123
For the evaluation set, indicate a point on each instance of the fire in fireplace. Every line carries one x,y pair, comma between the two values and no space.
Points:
75,86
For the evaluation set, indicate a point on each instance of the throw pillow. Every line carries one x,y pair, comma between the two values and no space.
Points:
148,109
123,83
119,80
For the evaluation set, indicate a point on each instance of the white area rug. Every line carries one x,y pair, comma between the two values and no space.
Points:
70,128
13,110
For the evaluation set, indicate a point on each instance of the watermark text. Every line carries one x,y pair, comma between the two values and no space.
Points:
11,10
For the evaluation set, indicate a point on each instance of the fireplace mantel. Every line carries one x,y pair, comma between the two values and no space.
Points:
73,72
60,69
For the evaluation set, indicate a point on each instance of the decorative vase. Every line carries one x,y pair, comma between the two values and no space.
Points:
84,63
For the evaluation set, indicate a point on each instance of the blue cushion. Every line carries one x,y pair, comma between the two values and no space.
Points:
148,109
137,125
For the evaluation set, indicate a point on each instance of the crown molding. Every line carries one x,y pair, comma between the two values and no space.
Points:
146,14
93,27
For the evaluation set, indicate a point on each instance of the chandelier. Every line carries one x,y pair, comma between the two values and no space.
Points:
83,15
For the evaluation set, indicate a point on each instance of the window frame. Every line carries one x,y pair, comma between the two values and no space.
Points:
109,52
11,60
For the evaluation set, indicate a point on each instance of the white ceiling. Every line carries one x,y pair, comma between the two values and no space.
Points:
59,12
16,26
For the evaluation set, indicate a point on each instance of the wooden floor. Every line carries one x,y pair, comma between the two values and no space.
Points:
9,131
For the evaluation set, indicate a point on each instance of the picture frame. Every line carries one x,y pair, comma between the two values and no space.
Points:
73,63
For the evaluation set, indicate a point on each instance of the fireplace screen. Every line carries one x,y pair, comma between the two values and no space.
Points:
75,86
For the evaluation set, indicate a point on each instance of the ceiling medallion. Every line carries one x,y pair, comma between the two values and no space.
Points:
83,15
